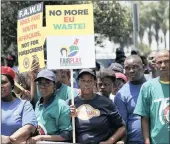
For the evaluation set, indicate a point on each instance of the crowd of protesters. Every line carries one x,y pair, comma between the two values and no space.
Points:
128,102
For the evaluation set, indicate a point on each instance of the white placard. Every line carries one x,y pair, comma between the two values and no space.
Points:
70,52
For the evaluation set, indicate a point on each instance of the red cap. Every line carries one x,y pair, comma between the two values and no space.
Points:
122,76
7,71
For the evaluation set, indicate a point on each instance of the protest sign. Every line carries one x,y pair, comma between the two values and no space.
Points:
70,39
70,36
30,37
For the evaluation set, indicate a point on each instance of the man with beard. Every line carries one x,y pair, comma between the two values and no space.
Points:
127,96
153,103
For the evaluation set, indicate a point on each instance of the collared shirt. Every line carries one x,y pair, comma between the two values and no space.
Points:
40,102
54,117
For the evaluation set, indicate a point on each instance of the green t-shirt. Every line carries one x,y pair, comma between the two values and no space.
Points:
54,118
153,103
64,92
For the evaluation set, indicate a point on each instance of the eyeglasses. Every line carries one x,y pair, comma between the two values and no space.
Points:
44,84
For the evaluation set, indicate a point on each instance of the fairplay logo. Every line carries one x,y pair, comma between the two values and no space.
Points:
69,55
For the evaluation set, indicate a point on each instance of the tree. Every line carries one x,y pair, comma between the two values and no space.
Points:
113,21
162,17
9,11
144,48
154,15
143,20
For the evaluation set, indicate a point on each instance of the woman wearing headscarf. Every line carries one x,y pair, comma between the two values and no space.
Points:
96,117
53,113
18,117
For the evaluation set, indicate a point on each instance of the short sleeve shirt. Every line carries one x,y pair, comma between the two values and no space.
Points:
54,118
15,115
154,103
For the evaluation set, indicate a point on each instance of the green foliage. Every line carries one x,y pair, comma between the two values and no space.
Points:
144,48
113,21
9,11
156,15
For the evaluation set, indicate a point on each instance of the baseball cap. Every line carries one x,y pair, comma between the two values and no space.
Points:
7,71
47,74
116,67
121,76
89,71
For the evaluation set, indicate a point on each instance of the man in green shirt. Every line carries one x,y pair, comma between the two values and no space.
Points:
63,91
153,103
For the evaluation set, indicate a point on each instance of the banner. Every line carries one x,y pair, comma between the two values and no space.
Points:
70,36
30,37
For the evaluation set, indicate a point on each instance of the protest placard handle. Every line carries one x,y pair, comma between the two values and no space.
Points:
72,102
17,85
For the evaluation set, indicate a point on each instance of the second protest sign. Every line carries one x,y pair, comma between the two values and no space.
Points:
30,37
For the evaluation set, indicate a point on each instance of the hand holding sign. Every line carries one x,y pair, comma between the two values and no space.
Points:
35,67
73,111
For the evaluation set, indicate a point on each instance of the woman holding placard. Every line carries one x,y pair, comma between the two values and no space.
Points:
96,117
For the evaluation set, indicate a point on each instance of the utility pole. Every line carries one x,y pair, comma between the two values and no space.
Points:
135,19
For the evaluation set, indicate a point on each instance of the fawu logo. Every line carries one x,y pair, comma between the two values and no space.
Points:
86,112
